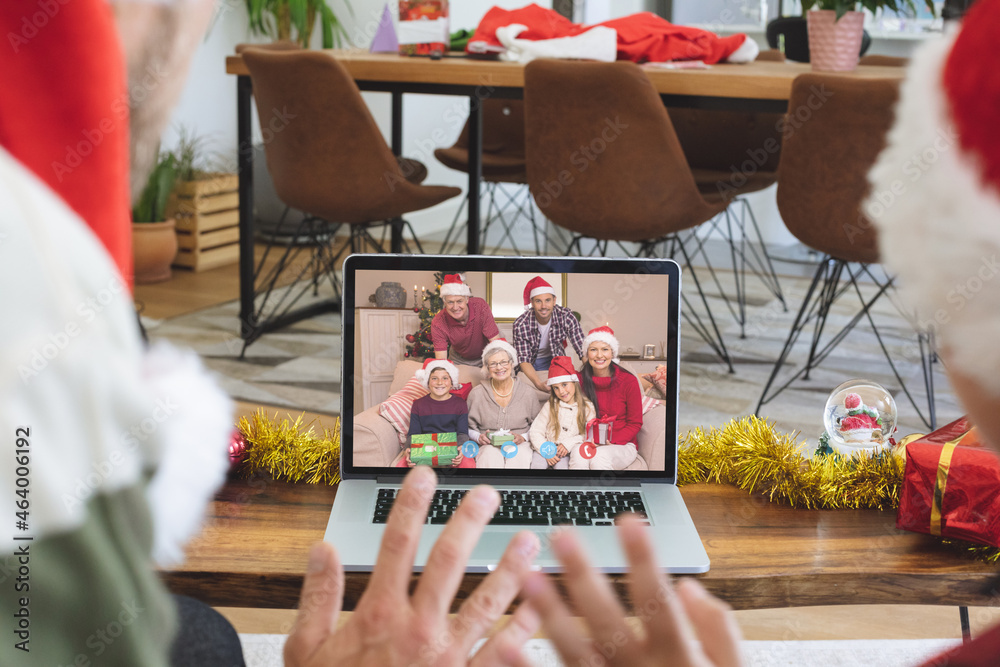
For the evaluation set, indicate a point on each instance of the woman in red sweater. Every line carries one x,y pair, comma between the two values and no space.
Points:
616,394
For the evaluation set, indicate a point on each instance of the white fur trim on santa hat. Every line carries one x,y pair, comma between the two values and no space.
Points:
499,344
747,53
424,374
455,289
538,286
938,227
559,379
603,336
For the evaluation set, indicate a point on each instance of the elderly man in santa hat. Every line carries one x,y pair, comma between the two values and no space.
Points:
542,331
464,326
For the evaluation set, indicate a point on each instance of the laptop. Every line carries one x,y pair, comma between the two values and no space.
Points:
638,298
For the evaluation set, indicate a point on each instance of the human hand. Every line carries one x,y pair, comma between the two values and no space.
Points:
457,461
519,439
484,440
391,627
554,460
409,463
540,384
561,452
674,621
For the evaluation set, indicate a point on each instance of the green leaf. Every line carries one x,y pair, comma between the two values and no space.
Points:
298,9
328,20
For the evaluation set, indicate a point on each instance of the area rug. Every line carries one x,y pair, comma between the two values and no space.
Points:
299,367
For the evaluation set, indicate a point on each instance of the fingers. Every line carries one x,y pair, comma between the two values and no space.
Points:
573,646
591,593
504,648
714,622
394,564
319,605
446,563
492,597
652,593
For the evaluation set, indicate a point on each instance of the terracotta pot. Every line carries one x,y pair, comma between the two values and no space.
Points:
834,46
154,246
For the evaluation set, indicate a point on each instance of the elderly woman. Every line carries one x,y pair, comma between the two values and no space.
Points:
501,404
616,394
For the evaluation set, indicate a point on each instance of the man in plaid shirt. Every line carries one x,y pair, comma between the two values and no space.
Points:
543,330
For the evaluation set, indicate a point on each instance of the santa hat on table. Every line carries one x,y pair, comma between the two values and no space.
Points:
935,195
424,374
454,285
535,287
561,370
604,334
499,344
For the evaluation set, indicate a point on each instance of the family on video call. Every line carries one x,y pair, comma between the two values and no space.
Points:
589,422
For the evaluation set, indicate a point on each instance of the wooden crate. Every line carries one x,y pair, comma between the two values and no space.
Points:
208,218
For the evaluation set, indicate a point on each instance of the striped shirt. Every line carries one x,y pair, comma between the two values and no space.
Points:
565,329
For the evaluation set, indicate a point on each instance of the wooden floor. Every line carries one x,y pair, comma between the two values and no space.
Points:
188,291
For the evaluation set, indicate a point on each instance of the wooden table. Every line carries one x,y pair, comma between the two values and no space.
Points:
757,86
253,553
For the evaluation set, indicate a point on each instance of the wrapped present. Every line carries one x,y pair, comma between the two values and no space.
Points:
599,430
498,439
423,27
463,391
434,449
951,488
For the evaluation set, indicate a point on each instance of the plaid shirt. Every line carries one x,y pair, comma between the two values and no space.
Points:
564,329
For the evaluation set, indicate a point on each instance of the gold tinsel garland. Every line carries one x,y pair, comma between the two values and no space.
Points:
290,450
746,452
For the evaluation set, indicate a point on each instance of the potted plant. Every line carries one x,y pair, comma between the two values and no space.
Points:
836,28
278,18
154,243
205,207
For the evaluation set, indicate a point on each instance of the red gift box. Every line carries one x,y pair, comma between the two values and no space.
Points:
599,430
951,486
423,27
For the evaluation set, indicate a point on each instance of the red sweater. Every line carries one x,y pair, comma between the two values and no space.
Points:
620,396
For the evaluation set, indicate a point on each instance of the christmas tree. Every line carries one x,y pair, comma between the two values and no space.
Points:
419,345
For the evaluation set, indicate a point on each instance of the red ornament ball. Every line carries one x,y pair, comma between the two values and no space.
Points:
406,354
416,309
237,448
410,338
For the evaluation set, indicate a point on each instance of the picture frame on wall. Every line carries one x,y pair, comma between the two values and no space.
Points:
649,351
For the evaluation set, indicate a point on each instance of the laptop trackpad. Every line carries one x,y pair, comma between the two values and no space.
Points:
491,547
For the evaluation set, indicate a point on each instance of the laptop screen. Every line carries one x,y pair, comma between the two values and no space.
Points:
416,391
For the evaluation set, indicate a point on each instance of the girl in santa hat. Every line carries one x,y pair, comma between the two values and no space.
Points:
615,393
439,411
564,422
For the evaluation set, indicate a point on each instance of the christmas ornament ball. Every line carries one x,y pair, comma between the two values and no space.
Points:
237,448
860,416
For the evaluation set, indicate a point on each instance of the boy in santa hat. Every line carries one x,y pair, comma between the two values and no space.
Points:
439,411
464,326
542,331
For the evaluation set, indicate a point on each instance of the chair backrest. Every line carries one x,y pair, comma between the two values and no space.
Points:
721,140
835,128
602,156
796,37
503,128
325,153
877,60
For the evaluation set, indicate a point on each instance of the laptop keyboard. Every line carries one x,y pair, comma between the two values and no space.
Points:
532,508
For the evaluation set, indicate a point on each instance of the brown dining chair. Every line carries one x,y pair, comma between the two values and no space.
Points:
877,60
732,154
822,183
603,162
328,159
504,179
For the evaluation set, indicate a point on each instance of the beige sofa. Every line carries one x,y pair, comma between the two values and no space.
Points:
377,444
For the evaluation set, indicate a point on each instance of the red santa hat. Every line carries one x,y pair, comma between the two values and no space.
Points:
561,370
536,286
935,195
424,374
499,344
604,334
454,285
